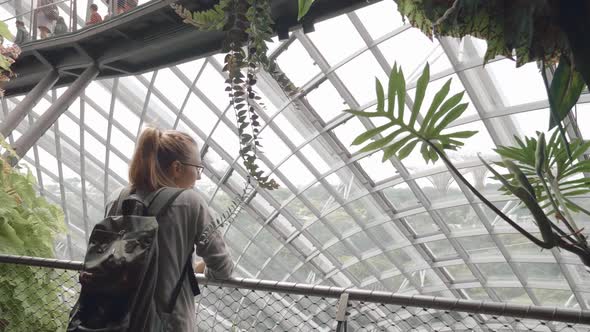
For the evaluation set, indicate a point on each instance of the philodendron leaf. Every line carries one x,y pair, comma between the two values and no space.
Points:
304,6
408,134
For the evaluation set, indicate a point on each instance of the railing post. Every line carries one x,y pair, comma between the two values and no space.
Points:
341,313
74,16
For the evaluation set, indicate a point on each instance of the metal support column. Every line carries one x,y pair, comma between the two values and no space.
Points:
26,105
54,111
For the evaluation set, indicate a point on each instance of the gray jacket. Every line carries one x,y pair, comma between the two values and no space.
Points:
179,230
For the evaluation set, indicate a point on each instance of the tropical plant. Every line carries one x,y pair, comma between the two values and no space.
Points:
8,55
549,32
541,175
28,226
248,28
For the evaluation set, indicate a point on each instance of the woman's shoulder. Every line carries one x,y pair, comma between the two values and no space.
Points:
191,197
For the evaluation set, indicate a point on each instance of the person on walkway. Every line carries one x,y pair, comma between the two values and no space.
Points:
95,17
47,14
60,27
171,158
22,35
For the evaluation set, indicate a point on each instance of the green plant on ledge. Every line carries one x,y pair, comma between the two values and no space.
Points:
540,174
28,226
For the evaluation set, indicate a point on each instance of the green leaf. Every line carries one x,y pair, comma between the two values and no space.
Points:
370,133
566,86
5,32
439,97
304,6
411,133
392,149
453,115
380,96
406,150
421,86
366,114
392,90
380,143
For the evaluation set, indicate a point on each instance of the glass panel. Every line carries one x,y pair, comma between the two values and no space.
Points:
509,81
479,246
417,47
320,198
326,101
542,272
296,172
374,15
341,253
516,295
333,49
518,245
297,64
360,243
320,232
340,221
359,74
497,272
359,271
460,218
441,249
299,211
459,273
376,169
440,187
422,224
171,86
401,196
381,263
212,84
554,297
386,234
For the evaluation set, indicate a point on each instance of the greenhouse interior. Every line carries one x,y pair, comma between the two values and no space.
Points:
394,165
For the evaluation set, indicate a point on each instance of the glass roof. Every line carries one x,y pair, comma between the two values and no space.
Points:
340,217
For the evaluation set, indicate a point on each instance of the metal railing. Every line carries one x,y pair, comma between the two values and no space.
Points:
261,305
74,17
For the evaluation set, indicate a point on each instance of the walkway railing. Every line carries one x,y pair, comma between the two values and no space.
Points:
75,17
261,305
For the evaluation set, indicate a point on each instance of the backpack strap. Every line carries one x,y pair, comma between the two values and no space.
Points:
188,270
158,201
118,203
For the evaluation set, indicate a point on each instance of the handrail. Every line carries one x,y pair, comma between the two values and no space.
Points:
35,9
575,316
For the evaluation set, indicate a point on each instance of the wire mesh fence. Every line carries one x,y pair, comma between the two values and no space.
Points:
37,295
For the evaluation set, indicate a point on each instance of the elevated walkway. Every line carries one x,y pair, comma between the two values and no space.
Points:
147,38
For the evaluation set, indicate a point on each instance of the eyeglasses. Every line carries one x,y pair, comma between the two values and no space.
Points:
198,167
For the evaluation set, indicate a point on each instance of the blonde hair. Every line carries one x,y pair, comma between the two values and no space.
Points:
155,152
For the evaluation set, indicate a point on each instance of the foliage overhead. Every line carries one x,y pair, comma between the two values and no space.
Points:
409,132
304,6
28,226
565,90
524,26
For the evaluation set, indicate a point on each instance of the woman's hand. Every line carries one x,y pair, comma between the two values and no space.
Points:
199,267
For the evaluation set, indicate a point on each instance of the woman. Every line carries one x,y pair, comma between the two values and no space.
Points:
47,14
171,159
